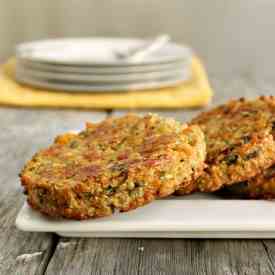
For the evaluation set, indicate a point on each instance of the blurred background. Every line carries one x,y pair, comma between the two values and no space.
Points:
232,37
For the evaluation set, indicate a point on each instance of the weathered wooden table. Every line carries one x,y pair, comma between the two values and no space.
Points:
24,131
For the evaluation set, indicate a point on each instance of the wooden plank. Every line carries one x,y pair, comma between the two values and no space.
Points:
269,246
204,257
159,256
20,252
95,256
22,133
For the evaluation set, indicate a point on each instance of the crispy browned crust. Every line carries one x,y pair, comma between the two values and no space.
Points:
261,186
240,141
118,164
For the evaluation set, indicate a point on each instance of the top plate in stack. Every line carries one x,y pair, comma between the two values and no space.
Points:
91,64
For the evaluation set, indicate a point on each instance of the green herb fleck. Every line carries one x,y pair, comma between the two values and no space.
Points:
231,159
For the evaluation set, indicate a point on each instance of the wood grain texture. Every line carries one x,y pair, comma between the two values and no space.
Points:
95,256
159,256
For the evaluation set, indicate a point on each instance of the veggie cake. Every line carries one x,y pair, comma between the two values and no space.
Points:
118,164
239,139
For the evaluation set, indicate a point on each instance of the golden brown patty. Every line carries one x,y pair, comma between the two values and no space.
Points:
260,187
240,141
118,164
196,160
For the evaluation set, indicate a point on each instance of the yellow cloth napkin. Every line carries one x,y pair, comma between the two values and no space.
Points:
193,93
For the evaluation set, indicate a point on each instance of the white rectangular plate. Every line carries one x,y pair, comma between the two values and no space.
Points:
195,216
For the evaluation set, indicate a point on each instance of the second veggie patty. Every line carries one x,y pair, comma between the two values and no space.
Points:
240,141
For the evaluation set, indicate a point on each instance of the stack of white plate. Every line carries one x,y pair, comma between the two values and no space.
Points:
92,64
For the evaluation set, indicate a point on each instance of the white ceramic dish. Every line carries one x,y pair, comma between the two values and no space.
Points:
95,51
103,69
195,216
101,87
90,78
